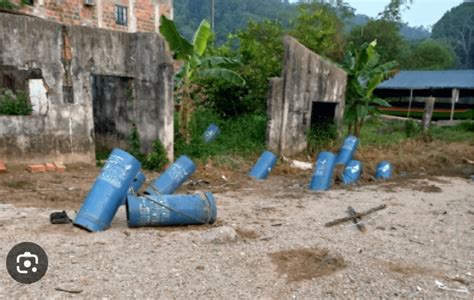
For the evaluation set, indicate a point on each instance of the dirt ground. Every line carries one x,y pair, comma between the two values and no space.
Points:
269,240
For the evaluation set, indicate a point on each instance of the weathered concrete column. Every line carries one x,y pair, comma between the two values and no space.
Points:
274,114
428,113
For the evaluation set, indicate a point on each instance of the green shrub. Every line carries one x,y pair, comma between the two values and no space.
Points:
7,4
466,126
320,135
14,104
156,159
134,144
411,128
229,100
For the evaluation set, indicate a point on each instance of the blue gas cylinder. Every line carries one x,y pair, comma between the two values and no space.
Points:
110,187
165,210
384,170
173,177
347,150
263,166
324,168
351,172
136,185
211,133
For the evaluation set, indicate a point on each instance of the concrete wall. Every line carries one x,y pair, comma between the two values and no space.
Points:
68,56
306,78
143,15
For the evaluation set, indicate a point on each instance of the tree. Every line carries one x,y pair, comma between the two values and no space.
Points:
260,49
318,28
365,73
390,44
456,27
429,55
393,11
230,15
196,65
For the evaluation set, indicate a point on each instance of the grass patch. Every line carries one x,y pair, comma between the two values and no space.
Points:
321,136
242,136
377,132
463,132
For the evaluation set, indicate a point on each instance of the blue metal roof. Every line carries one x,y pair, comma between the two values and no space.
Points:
421,80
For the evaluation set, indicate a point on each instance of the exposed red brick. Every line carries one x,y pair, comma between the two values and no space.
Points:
36,168
74,12
3,168
50,167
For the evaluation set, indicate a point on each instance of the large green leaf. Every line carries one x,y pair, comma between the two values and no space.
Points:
372,56
373,83
381,102
385,68
350,115
222,74
215,61
201,37
178,44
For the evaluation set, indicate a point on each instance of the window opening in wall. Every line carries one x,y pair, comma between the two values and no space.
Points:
18,87
121,15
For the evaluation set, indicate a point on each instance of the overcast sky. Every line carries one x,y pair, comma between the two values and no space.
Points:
421,12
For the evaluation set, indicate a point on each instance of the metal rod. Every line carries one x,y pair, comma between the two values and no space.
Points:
454,99
409,104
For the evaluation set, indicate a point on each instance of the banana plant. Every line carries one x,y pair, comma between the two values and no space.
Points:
195,66
364,75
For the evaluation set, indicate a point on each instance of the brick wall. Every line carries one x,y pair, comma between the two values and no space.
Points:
143,15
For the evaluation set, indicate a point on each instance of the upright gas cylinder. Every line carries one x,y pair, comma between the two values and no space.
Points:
137,183
351,172
110,187
347,150
324,168
211,133
164,210
264,165
384,170
173,177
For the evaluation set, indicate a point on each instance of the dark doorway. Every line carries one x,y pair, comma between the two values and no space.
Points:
112,98
323,113
322,127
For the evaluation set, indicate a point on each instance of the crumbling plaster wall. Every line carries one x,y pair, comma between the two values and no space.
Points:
306,78
67,57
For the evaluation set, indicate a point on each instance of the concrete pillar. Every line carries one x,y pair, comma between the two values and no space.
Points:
274,114
157,16
132,17
428,113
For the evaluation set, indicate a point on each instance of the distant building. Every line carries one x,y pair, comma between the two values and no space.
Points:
408,90
122,15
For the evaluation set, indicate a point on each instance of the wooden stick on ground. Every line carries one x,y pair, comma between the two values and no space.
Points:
356,219
356,215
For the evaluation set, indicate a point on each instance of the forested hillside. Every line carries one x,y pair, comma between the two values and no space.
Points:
232,15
